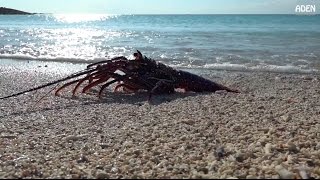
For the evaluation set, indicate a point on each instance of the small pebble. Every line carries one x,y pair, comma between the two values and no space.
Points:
189,122
222,92
303,172
102,175
284,173
240,157
232,178
268,149
104,146
74,137
82,159
292,147
307,78
286,117
220,153
251,177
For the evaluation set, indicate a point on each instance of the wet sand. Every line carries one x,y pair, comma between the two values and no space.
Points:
270,130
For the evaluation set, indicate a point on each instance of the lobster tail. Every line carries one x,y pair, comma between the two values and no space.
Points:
221,87
195,83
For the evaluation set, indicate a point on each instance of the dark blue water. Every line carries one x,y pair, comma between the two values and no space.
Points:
289,43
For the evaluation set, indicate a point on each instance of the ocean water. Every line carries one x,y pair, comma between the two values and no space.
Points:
285,43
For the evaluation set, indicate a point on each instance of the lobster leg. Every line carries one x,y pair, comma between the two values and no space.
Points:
96,75
111,67
105,86
79,81
164,86
116,77
89,77
65,85
100,75
99,81
78,85
126,87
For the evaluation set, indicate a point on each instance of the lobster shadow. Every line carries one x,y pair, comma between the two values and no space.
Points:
135,98
138,99
142,97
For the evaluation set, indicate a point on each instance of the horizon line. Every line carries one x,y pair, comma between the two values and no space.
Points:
189,13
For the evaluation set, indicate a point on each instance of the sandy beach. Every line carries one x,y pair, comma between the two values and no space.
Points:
270,130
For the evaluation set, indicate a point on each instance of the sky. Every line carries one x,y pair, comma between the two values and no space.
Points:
156,6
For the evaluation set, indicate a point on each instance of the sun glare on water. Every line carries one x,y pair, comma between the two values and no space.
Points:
76,18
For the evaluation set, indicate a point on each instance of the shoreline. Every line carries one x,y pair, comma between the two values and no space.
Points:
79,65
270,130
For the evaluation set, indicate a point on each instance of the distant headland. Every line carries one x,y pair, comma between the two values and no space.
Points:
9,11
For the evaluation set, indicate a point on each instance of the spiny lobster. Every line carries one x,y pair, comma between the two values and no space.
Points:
141,73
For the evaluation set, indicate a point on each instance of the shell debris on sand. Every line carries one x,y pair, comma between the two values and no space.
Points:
226,135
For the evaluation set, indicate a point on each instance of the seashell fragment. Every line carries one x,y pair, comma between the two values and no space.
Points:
284,173
268,148
303,172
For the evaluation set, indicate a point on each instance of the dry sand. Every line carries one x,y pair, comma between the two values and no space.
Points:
270,130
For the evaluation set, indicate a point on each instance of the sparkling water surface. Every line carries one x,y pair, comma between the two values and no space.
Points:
287,43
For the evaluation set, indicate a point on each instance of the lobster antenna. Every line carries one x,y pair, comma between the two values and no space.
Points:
51,83
45,95
138,55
